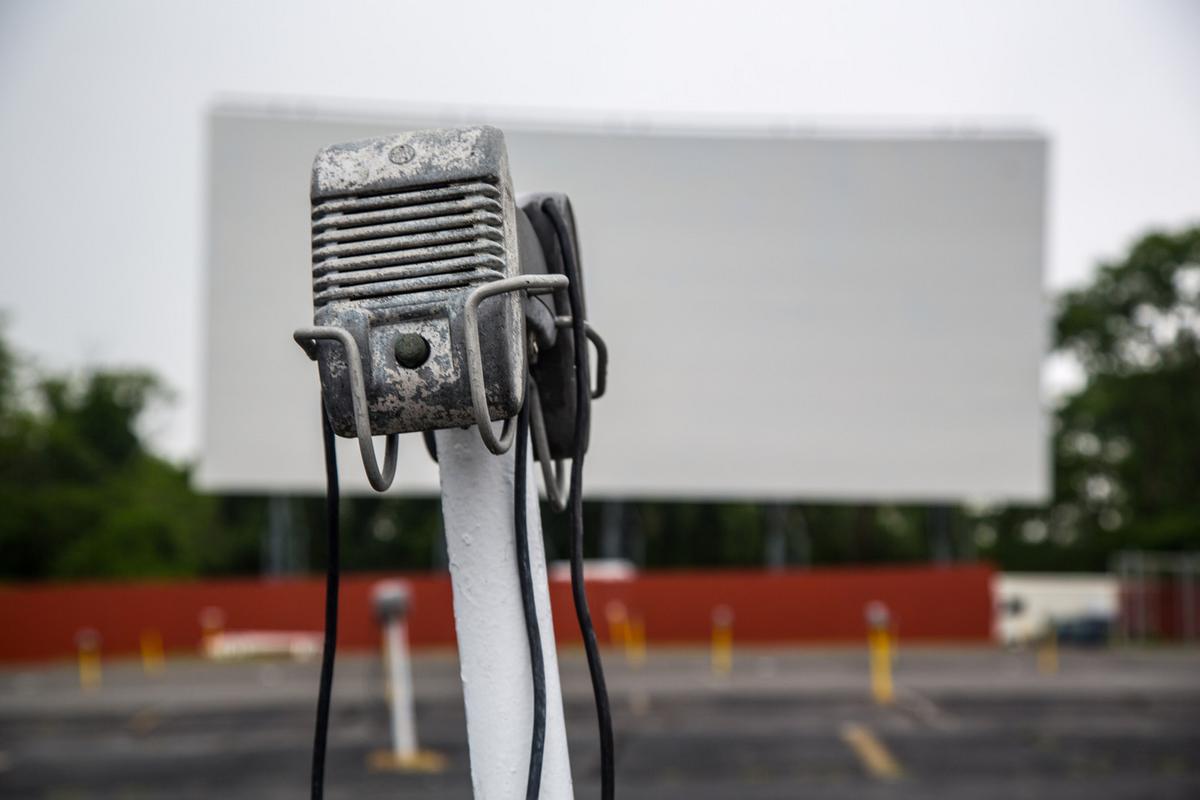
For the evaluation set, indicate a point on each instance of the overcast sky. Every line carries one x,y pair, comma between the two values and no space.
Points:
102,111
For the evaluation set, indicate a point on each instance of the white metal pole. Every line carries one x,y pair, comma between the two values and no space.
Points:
477,510
404,729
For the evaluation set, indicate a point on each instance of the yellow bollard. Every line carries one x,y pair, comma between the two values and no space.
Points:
618,624
1047,653
635,642
722,641
879,649
882,688
154,662
88,643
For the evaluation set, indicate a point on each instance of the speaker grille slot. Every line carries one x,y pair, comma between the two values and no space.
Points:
374,247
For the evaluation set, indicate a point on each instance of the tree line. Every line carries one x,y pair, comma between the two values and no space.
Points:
84,496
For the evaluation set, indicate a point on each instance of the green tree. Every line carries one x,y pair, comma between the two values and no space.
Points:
1127,444
82,497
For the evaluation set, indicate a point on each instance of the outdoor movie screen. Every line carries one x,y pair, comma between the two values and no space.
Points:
817,315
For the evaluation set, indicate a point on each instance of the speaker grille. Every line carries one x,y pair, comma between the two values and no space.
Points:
370,249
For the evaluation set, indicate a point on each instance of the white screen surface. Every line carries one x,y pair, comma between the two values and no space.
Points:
820,317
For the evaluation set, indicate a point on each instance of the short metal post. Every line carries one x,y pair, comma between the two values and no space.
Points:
392,604
153,661
90,671
618,623
391,599
721,655
212,624
636,648
477,510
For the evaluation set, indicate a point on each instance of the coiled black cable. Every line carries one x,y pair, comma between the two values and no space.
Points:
537,747
332,570
583,405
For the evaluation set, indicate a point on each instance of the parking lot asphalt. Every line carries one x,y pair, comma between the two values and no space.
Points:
966,723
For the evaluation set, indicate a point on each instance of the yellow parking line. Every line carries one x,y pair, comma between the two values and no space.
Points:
871,752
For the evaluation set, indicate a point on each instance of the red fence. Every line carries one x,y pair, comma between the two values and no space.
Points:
932,604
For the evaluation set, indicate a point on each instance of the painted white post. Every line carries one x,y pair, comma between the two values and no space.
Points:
391,605
477,509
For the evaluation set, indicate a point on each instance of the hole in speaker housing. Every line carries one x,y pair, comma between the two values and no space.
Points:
411,350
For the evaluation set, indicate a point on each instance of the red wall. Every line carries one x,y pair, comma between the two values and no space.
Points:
1166,614
947,604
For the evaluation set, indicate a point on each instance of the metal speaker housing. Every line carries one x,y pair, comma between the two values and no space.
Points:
404,227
